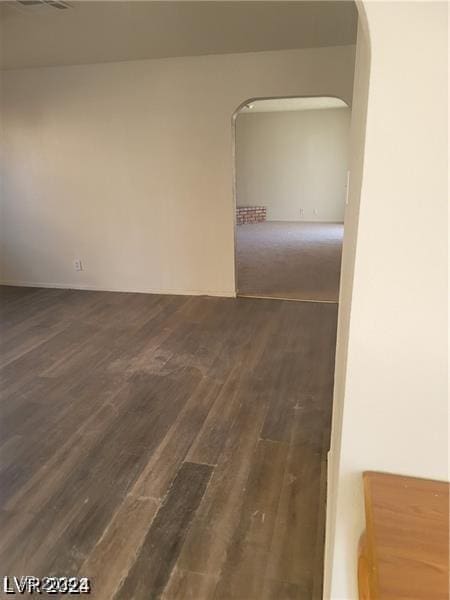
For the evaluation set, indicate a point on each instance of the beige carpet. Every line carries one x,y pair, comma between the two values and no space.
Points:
289,260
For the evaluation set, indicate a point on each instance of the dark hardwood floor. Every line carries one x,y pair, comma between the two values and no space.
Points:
165,446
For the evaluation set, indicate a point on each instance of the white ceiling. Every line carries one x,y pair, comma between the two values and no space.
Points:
289,104
104,31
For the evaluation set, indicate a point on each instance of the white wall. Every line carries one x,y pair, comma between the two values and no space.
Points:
288,161
391,400
356,162
129,165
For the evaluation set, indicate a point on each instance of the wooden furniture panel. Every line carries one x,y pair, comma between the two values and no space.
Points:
404,552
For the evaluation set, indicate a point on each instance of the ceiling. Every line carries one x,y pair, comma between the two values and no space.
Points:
289,104
104,31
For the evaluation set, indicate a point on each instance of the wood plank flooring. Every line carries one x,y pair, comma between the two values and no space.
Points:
166,447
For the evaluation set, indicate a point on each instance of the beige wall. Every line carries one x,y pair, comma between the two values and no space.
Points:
333,554
391,396
294,163
128,166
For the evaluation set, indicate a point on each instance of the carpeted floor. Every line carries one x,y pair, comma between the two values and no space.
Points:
292,260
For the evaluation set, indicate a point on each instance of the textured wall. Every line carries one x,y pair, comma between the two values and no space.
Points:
294,163
129,166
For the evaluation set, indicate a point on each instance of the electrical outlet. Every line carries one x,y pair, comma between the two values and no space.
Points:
77,264
302,212
315,211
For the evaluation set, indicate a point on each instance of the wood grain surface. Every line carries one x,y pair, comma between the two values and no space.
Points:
165,446
404,552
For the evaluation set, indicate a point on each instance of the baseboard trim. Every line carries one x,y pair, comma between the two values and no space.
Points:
94,288
162,291
306,222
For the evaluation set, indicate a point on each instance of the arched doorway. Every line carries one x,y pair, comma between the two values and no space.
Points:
291,166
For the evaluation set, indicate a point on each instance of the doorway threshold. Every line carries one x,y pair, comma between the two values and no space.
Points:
257,296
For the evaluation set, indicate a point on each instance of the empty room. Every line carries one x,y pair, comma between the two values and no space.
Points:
291,187
222,300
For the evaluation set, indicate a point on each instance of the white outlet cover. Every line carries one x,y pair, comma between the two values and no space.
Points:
77,264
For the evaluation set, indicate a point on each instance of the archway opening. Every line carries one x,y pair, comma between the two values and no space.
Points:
291,173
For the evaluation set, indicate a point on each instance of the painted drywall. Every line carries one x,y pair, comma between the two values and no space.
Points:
129,165
294,163
356,161
391,397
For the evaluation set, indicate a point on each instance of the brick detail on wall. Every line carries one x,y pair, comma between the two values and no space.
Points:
250,214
